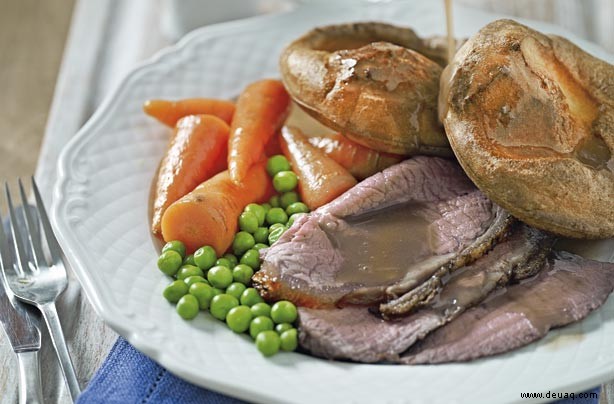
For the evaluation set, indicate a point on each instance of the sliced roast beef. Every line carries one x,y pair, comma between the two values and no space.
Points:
564,292
355,333
418,219
422,294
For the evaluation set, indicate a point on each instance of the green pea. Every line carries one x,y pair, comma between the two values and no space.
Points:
266,207
294,217
242,273
217,291
169,262
189,270
223,262
276,226
221,305
203,293
276,215
276,233
251,258
176,246
276,164
285,181
187,307
260,246
232,258
280,328
205,257
261,309
189,260
239,319
235,289
250,297
175,291
248,222
297,207
242,242
274,202
261,235
191,280
219,276
258,210
260,324
288,198
284,311
289,340
268,343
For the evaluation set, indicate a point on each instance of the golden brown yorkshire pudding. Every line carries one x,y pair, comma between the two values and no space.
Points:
530,118
372,82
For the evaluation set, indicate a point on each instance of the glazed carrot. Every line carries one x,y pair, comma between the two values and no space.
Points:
208,215
274,146
262,109
321,179
196,152
359,160
169,112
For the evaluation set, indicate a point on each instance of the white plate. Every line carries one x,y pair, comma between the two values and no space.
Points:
101,218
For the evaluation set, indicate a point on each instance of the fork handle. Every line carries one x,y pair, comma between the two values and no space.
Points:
29,378
50,313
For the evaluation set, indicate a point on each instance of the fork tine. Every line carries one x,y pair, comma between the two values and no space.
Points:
6,258
33,232
52,242
5,253
22,259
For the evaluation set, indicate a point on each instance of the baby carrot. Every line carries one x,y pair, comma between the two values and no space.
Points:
262,109
360,161
208,215
169,112
273,147
321,179
196,152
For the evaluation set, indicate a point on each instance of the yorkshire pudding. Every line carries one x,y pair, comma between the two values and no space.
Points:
530,118
372,82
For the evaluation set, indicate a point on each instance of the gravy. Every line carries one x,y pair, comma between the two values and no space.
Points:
593,152
448,71
379,246
450,30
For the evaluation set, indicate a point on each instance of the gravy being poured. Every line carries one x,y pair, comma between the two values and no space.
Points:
379,246
446,75
450,30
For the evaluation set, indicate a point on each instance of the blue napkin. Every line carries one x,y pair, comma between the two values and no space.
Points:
127,376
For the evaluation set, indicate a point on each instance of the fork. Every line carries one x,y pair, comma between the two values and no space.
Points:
39,281
22,329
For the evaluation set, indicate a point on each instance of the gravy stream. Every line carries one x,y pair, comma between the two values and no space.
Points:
450,30
379,246
448,71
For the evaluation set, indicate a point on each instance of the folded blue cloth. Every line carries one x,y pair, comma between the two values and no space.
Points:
127,376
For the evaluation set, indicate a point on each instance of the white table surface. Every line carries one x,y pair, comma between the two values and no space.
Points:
106,40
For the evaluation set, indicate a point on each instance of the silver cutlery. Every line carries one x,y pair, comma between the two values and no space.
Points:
38,280
22,329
